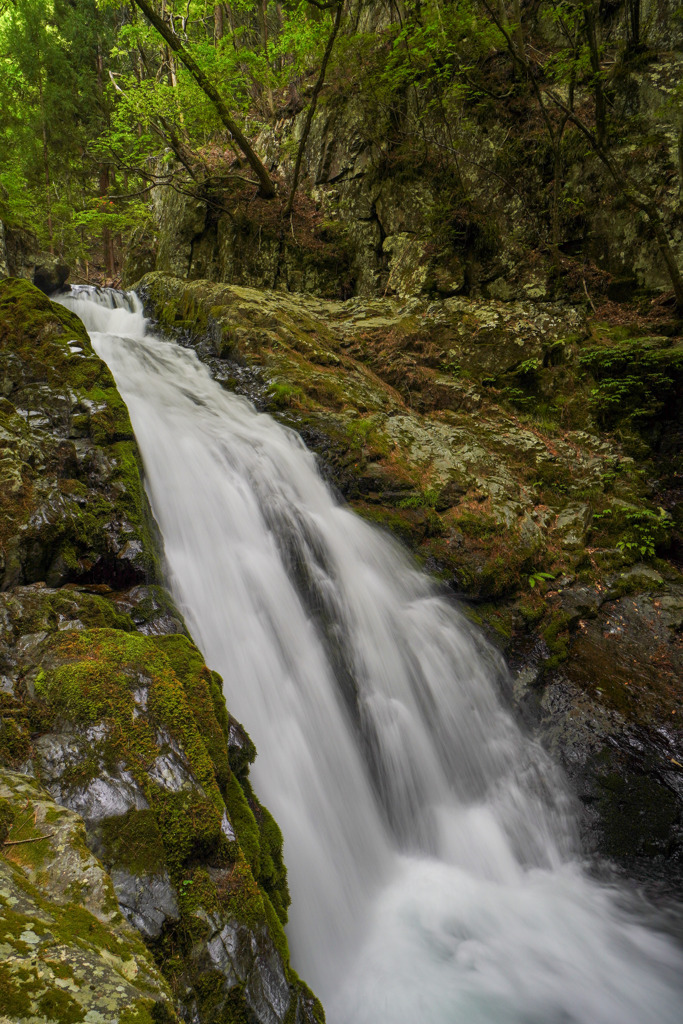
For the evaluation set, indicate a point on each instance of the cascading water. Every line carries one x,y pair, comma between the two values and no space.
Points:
429,844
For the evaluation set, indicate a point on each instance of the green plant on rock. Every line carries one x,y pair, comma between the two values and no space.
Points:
282,395
632,380
422,499
636,533
644,531
539,578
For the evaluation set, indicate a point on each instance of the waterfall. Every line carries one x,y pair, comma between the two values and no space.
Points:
431,849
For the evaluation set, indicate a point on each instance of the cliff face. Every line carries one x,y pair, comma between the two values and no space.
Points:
529,457
393,203
134,851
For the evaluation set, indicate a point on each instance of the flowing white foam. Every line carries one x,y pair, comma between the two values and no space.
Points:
429,845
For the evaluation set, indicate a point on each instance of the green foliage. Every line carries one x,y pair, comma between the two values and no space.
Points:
52,102
423,499
538,578
637,533
633,380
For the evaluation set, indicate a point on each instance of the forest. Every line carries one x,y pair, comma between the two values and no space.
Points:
106,104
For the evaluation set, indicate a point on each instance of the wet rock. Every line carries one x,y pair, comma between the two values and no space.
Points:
572,524
250,959
50,275
75,508
146,901
151,609
580,602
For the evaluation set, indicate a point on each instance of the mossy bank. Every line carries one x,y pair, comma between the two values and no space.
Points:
134,850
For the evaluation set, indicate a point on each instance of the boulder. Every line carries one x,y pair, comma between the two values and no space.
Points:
50,275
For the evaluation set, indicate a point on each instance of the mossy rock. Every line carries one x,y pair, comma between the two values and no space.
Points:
60,927
72,505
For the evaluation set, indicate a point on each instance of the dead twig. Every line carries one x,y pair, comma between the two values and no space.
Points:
34,839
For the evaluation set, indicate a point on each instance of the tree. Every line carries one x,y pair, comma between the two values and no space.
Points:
266,187
320,81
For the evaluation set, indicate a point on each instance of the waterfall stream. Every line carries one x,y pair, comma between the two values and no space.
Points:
430,846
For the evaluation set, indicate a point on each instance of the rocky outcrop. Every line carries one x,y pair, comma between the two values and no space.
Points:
394,203
72,503
124,788
21,256
530,458
196,242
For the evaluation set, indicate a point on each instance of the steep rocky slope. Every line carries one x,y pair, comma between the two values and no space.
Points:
142,881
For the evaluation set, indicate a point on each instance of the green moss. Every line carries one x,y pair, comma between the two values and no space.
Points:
77,925
282,395
210,992
148,1011
500,574
190,825
270,873
277,931
133,841
494,620
244,823
155,602
162,1013
530,613
477,525
93,680
15,736
80,392
60,1006
205,698
236,1009
556,636
14,1001
358,433
241,898
6,819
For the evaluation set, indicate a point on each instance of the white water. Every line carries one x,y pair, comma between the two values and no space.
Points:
429,845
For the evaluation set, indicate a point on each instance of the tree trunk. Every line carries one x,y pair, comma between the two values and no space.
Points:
311,110
666,252
217,22
107,240
46,159
633,23
266,187
598,92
